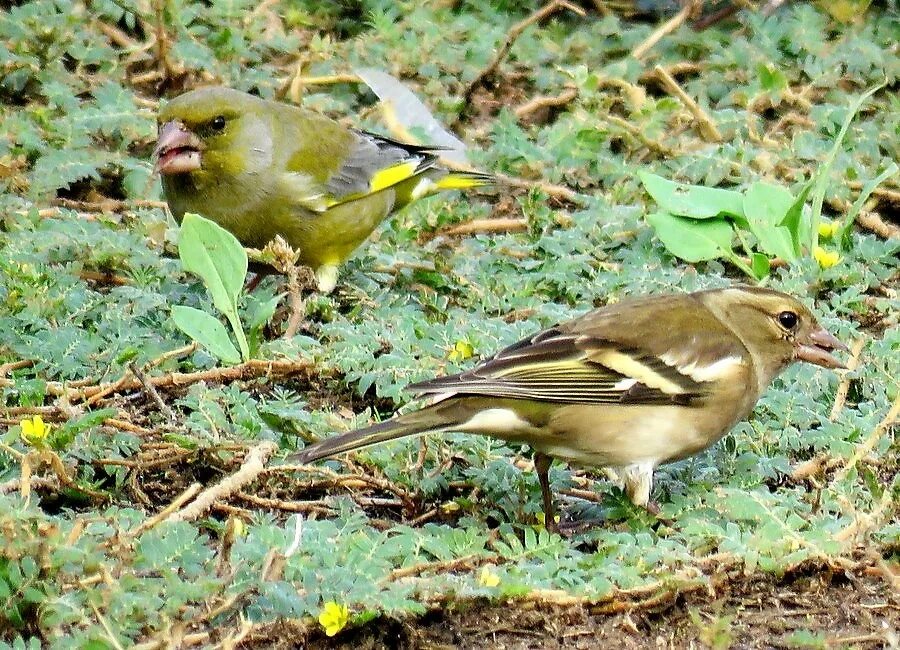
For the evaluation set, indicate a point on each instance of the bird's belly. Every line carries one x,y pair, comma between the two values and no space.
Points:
620,436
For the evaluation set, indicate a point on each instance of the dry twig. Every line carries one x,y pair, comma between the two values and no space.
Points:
514,32
253,466
707,126
666,28
852,363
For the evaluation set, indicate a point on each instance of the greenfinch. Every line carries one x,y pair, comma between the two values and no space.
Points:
626,387
263,168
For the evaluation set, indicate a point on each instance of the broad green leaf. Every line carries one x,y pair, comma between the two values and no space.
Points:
821,178
207,330
760,265
692,240
214,254
694,201
864,193
211,252
794,221
765,206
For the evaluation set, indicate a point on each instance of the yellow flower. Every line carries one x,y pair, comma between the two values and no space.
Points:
239,527
34,431
488,578
461,351
333,617
829,229
826,259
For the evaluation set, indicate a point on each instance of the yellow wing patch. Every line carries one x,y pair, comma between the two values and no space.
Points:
390,176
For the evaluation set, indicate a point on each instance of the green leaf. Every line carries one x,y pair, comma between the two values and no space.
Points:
214,254
822,176
691,240
865,192
760,265
694,201
211,252
766,206
207,330
797,226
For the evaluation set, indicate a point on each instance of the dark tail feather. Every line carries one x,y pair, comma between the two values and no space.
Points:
423,421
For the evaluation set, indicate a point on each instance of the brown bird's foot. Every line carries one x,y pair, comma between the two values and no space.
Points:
569,529
653,508
253,282
542,464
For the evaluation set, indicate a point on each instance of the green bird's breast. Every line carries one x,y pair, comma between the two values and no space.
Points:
257,210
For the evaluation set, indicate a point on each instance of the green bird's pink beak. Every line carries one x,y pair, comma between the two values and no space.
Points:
177,149
816,348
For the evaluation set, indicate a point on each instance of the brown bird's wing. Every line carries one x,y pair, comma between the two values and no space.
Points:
599,358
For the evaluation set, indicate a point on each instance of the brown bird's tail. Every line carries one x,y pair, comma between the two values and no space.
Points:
429,419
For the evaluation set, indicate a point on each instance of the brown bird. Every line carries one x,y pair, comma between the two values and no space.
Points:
626,387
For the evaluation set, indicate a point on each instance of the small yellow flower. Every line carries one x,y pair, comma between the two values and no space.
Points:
239,527
829,229
333,617
826,259
461,351
34,431
488,578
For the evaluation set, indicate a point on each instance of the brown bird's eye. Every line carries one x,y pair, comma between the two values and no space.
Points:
788,320
218,123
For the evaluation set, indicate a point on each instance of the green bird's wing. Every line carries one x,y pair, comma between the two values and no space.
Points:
330,165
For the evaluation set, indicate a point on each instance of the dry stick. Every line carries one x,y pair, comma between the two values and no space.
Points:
862,523
122,425
707,127
554,191
545,101
15,485
163,514
479,226
467,562
666,28
873,222
246,370
852,363
173,354
108,205
286,506
514,32
7,368
253,466
295,297
148,387
863,448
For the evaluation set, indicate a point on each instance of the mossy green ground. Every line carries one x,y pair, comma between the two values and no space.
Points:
802,494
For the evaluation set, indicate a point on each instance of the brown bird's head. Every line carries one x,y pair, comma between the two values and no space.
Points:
777,323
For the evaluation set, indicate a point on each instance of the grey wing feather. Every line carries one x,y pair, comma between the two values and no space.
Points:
371,154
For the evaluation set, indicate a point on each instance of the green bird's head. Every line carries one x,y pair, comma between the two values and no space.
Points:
213,133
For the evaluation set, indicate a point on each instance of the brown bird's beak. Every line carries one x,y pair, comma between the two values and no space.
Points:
177,149
816,347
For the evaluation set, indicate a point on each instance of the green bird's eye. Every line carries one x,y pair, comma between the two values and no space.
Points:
218,123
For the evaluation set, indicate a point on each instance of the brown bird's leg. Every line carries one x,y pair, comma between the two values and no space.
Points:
253,282
542,467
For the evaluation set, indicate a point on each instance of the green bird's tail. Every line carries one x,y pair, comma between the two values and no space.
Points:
429,419
459,180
